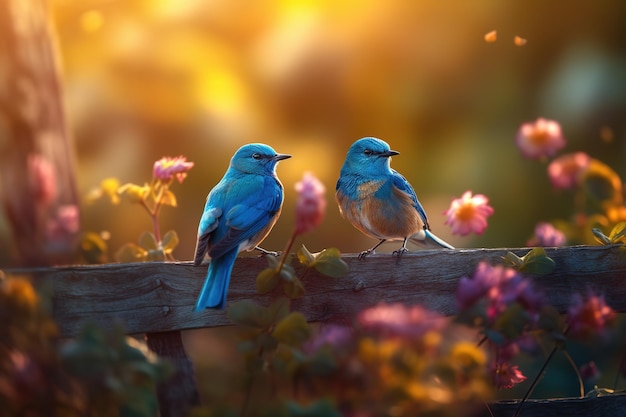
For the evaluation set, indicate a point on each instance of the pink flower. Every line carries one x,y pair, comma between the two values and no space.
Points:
468,214
66,222
540,139
42,178
589,316
311,204
506,375
166,168
547,235
400,320
566,171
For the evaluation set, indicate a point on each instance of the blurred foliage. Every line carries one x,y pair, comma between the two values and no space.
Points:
97,374
145,78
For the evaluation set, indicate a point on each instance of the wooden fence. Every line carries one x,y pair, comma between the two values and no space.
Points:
157,299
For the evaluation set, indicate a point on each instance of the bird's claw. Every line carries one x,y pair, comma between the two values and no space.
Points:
399,252
365,253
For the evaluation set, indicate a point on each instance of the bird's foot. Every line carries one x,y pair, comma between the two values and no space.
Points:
365,253
265,252
399,252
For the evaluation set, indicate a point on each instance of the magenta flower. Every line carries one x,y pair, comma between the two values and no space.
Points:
540,139
506,375
468,214
589,316
589,371
400,320
311,204
566,171
547,235
166,168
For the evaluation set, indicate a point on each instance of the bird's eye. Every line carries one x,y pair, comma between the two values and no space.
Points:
256,156
367,152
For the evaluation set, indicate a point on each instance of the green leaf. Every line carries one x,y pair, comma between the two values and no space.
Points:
278,310
305,257
537,262
155,255
329,263
247,313
512,260
293,288
267,280
618,233
600,237
292,330
130,252
148,241
170,241
512,322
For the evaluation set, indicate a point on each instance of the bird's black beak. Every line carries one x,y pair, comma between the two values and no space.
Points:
280,156
389,153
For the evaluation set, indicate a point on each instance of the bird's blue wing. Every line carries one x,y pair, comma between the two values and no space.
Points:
402,184
249,218
208,223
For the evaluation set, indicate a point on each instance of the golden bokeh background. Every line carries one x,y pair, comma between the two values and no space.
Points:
149,78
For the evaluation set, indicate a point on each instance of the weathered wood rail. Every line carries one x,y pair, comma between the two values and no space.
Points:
158,298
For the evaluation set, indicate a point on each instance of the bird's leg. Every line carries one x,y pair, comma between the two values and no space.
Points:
403,249
363,254
266,252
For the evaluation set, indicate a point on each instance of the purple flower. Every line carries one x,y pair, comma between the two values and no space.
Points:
332,335
500,287
166,168
547,235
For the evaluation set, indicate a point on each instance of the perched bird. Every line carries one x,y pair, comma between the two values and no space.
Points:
379,201
239,213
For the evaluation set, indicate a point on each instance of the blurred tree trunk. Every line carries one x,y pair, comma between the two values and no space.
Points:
39,217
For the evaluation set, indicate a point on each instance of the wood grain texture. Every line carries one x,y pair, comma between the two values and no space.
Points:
159,297
605,406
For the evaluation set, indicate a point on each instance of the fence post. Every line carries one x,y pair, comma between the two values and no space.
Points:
38,198
179,393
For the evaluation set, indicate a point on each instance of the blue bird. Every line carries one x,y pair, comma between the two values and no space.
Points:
380,202
239,213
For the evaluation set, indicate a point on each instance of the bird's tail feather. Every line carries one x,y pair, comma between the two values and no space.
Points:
215,287
428,240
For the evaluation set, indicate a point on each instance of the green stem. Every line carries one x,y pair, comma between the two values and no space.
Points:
619,371
581,384
535,381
